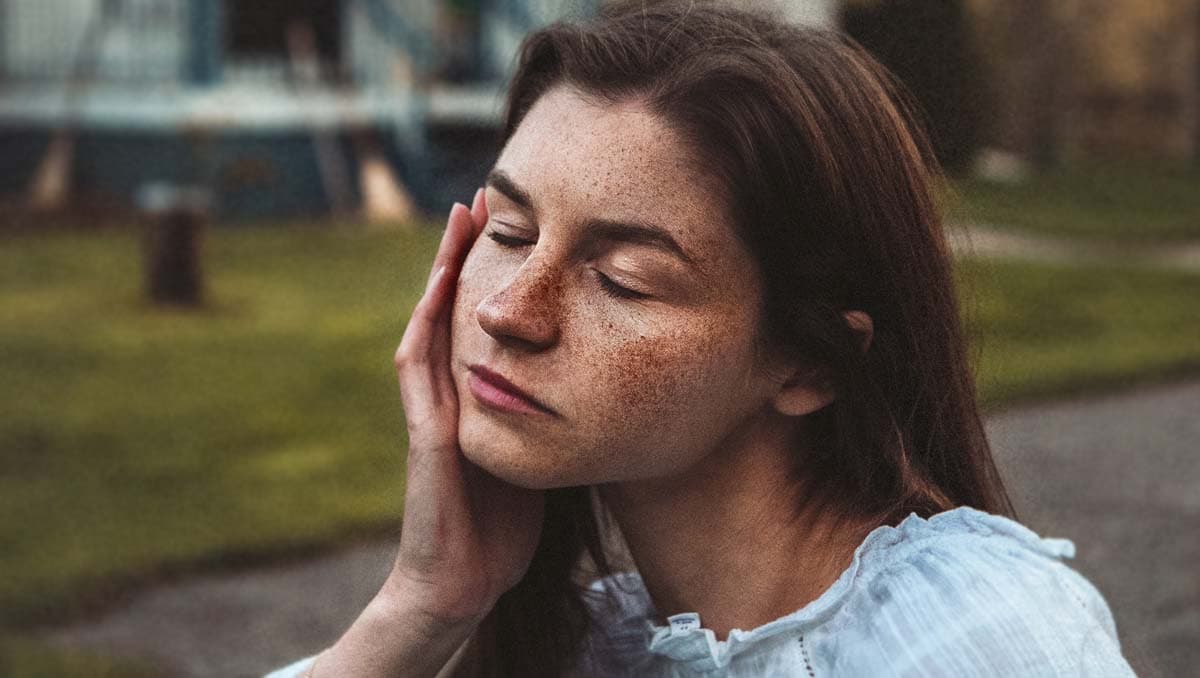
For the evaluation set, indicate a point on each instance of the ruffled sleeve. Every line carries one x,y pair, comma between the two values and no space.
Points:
989,598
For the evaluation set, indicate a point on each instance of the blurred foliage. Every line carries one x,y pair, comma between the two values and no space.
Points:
139,443
1101,201
929,46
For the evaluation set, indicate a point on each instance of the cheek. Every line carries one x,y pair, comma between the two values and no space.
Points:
672,382
648,372
659,403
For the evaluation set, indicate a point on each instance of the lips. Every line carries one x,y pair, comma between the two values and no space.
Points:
499,382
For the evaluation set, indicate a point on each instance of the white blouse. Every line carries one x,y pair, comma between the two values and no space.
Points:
963,594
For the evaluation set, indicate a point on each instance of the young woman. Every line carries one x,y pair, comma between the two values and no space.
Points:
706,293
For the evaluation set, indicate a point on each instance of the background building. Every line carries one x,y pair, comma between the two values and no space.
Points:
390,108
281,107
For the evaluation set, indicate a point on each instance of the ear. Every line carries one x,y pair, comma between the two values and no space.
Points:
807,390
862,325
803,394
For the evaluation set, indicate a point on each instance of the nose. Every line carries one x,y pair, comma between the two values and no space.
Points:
524,314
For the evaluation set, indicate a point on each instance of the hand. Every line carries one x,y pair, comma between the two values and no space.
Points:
467,537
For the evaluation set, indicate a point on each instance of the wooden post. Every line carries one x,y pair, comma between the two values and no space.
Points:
171,243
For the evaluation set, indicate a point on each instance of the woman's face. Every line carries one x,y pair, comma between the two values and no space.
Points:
608,285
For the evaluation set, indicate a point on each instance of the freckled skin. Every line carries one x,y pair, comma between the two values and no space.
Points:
643,388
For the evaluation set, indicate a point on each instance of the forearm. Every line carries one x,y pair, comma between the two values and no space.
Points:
394,638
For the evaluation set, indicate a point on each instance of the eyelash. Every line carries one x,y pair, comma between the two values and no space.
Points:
610,288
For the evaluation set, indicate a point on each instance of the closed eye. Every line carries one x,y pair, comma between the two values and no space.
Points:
614,290
508,240
610,288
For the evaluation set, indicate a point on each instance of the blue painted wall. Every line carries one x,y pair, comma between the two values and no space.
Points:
206,42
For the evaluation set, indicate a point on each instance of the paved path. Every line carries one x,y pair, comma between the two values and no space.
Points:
1119,475
239,624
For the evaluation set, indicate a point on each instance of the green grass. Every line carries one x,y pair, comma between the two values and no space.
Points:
1042,330
137,442
1143,203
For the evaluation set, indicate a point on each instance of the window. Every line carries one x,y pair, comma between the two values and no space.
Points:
257,30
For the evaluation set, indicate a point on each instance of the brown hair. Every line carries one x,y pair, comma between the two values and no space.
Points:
830,180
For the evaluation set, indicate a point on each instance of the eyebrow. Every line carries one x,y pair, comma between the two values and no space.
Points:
638,232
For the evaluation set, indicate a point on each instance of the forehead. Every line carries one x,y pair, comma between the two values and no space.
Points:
580,158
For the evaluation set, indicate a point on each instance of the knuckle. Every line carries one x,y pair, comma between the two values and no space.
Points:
405,357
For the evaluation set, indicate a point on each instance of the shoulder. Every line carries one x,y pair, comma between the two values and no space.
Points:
968,593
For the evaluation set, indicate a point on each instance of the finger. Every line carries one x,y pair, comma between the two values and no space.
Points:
462,236
418,333
421,360
476,203
426,338
441,258
423,355
461,229
479,210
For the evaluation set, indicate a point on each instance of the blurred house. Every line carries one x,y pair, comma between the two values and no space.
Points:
279,107
273,104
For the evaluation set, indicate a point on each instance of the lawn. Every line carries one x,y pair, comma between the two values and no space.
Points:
140,443
1139,203
1043,330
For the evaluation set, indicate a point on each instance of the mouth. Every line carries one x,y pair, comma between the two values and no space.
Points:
493,390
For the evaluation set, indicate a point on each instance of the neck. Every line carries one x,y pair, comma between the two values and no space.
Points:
730,538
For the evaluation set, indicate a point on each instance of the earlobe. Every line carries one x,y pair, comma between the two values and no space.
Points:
800,396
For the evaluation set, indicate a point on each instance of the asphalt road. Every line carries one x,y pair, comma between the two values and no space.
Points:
1119,475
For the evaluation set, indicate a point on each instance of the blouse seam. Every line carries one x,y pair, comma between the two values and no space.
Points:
804,653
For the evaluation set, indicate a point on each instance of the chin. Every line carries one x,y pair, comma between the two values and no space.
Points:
514,464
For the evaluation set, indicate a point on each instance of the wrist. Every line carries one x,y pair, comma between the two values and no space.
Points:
406,600
395,637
